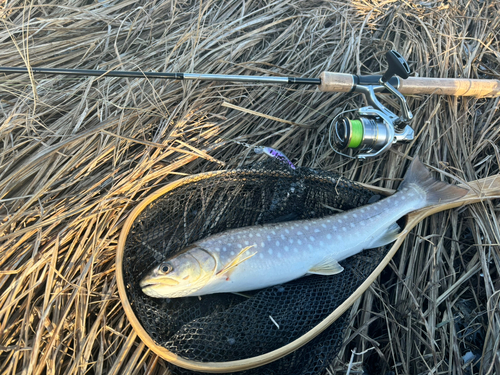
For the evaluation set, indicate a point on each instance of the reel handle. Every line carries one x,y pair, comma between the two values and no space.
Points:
479,88
397,66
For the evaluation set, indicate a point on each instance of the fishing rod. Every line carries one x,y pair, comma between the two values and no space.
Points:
368,131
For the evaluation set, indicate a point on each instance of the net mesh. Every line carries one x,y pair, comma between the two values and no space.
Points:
226,327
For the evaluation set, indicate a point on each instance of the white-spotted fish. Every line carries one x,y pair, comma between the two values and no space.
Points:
255,257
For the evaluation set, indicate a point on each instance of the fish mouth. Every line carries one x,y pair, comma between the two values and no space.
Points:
163,282
146,285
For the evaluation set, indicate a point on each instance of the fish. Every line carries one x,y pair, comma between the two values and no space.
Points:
255,257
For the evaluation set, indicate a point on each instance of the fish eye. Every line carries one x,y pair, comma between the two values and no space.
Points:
166,268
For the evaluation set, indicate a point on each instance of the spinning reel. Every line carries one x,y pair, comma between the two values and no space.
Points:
373,129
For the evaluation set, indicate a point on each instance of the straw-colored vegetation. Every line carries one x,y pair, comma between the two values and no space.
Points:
79,152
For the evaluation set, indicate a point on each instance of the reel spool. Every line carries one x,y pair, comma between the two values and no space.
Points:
374,128
361,132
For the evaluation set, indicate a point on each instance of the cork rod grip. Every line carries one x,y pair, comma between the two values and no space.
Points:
336,82
480,88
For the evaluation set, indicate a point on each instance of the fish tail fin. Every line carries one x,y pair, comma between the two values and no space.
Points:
435,191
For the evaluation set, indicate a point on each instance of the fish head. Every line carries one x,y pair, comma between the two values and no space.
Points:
181,275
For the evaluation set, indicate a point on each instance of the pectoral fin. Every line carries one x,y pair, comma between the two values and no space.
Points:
238,259
328,266
387,237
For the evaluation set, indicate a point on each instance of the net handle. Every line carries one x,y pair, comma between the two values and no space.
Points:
479,190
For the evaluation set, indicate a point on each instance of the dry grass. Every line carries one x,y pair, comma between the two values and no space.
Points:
78,153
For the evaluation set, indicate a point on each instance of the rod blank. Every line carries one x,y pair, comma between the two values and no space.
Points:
178,76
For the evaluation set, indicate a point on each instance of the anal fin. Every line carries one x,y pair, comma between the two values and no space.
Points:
390,235
327,266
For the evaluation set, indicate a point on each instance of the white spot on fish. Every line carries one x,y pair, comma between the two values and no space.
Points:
363,210
352,225
287,231
403,197
328,221
323,225
405,189
344,229
290,240
311,238
277,243
282,237
362,222
239,236
300,233
224,248
261,256
232,252
328,236
273,232
354,215
309,247
299,242
306,227
239,245
411,195
258,234
316,231
339,238
321,243
286,248
340,221
269,238
250,235
246,243
279,255
295,250
270,251
262,244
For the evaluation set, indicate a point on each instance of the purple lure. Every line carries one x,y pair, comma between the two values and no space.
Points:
274,154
